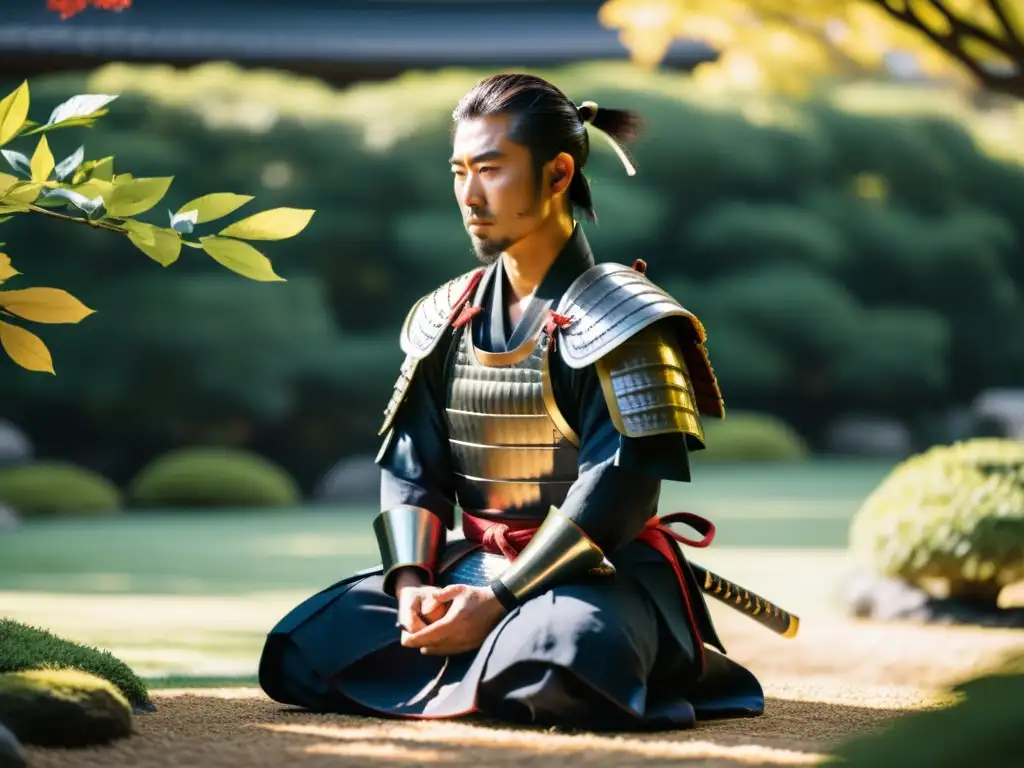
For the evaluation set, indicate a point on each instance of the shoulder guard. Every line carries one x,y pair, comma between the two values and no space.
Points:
645,370
423,329
431,315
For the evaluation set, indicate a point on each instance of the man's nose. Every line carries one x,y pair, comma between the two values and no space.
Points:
471,194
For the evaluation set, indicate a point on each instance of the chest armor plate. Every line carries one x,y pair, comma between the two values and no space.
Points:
513,453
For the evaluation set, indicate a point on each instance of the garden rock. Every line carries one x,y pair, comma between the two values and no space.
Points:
63,708
11,753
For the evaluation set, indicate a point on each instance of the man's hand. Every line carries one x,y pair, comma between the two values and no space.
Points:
417,606
472,612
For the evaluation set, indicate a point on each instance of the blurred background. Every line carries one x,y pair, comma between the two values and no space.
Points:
835,190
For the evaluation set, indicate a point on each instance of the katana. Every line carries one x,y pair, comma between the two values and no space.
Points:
762,611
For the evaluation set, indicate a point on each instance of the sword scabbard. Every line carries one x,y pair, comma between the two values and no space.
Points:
763,611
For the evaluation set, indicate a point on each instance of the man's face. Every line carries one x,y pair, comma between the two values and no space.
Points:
495,186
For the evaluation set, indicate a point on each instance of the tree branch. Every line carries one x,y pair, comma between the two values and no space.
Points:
1010,83
94,224
1014,41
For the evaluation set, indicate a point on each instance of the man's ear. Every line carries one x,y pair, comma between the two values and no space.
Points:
562,166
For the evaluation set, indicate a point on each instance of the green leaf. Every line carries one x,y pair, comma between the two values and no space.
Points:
42,162
241,258
214,206
13,112
274,224
135,196
162,245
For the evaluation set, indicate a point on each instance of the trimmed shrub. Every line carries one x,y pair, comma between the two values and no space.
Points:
213,477
25,648
749,436
55,488
953,513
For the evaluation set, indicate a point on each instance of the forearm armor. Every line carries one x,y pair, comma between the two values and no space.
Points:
558,552
408,537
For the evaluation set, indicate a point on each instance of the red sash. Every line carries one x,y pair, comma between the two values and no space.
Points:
511,537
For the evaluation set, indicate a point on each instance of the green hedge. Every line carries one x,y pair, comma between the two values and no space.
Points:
844,259
213,477
750,437
52,488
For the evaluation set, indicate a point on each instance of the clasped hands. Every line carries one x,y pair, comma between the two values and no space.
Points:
445,621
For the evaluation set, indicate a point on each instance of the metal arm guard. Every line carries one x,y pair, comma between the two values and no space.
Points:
558,552
408,537
649,351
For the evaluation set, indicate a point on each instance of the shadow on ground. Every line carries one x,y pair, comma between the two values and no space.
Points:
228,728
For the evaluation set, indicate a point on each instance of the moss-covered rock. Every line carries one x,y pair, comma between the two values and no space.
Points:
953,514
982,728
63,708
29,648
11,753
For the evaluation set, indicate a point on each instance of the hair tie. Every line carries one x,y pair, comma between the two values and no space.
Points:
587,112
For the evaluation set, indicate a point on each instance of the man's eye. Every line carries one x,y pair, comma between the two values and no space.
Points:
487,168
458,172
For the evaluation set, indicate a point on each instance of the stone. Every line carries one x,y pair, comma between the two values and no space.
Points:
870,596
868,436
354,480
11,753
9,520
15,447
63,708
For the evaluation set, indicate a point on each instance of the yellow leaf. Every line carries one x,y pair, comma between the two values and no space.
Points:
241,258
215,205
23,192
162,245
25,348
135,196
7,182
94,188
44,305
274,224
6,270
13,112
42,162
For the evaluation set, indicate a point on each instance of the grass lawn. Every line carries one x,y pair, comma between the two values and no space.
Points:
246,551
191,594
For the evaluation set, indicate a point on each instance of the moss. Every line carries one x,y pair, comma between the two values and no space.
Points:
65,707
986,720
29,648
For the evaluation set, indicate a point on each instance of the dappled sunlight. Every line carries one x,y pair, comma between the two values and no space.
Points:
544,742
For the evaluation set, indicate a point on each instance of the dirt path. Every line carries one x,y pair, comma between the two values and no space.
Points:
835,679
242,729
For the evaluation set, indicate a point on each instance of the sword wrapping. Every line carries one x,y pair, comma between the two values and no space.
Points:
743,600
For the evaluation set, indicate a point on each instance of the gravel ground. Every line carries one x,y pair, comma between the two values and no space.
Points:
835,679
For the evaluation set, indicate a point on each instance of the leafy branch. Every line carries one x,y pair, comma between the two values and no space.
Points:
89,192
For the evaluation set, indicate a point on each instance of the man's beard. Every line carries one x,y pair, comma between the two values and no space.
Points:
488,251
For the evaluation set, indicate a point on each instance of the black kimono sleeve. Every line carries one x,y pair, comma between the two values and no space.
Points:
620,477
415,461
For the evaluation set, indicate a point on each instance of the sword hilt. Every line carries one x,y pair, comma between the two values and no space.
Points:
756,607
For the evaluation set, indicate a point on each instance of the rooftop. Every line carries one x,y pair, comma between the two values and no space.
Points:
395,32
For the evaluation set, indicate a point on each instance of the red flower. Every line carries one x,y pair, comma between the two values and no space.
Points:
68,8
